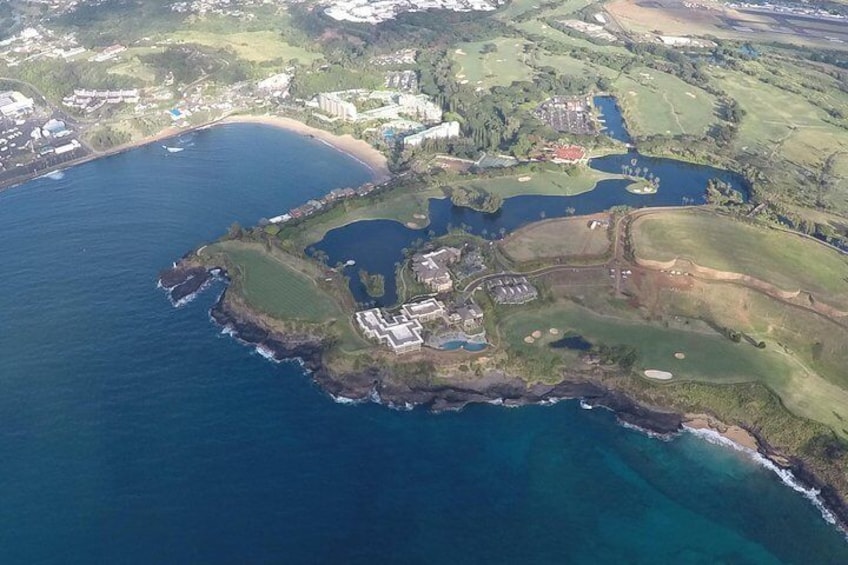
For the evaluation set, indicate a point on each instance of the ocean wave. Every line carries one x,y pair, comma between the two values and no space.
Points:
266,353
54,175
785,475
339,399
650,433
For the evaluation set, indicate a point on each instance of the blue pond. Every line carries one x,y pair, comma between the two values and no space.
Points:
377,245
614,125
576,342
466,345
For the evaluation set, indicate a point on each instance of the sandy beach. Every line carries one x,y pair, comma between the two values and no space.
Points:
735,434
355,148
360,150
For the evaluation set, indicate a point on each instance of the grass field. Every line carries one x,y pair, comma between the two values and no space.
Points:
659,103
778,120
709,356
254,46
507,64
786,260
560,237
275,286
570,66
542,183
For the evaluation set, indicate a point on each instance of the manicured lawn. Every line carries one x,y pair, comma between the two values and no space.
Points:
786,260
709,356
276,288
659,103
779,121
543,183
507,64
561,237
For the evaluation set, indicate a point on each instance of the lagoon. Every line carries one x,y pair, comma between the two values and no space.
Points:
377,245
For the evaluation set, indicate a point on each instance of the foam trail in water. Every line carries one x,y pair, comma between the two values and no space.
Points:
785,474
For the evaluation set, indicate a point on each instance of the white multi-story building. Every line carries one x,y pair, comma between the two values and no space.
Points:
446,130
330,103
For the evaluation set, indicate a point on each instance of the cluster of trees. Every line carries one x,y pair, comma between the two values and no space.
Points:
625,356
720,193
329,78
375,284
57,78
475,198
188,63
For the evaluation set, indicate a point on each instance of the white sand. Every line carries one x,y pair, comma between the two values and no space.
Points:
658,375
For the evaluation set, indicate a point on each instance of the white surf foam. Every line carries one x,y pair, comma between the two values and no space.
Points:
266,353
785,475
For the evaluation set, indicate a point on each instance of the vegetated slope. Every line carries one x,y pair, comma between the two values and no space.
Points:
785,260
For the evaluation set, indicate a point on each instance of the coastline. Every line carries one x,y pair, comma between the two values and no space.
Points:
357,149
377,385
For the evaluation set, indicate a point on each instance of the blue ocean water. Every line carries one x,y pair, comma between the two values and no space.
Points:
133,432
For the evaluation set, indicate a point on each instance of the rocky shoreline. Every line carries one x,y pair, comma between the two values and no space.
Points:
373,384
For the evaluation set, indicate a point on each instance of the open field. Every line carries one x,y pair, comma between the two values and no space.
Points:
709,356
507,64
254,46
777,120
785,260
659,103
555,238
570,66
275,286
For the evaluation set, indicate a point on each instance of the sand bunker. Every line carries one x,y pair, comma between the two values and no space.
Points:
529,339
464,81
658,375
679,355
523,179
419,216
537,334
460,76
459,52
412,225
553,331
689,94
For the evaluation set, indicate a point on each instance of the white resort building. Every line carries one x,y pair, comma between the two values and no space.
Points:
401,332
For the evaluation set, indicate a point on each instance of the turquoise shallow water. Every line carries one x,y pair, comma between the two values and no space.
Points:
133,432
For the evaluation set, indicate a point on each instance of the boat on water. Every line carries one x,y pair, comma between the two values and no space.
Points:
173,149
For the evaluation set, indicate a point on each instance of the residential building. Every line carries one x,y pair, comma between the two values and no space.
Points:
512,290
469,316
400,333
424,311
432,270
14,104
